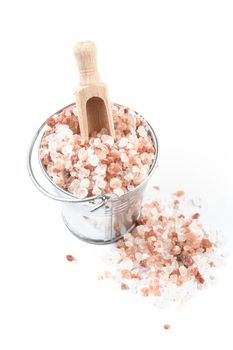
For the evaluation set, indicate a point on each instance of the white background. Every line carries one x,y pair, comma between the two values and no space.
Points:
173,62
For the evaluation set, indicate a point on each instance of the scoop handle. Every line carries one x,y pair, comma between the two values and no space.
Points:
85,54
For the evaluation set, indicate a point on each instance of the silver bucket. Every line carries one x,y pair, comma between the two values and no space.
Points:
100,219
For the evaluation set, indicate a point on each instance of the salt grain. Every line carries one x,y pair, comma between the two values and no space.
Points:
123,142
93,160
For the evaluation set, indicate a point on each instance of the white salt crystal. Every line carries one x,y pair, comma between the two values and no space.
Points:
100,182
96,191
135,169
142,131
90,151
124,158
81,193
101,169
123,142
67,149
96,142
82,154
93,160
108,140
83,172
84,183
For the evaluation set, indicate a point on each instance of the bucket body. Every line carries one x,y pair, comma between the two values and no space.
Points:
107,223
100,219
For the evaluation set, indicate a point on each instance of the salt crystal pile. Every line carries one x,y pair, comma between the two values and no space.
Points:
103,164
168,256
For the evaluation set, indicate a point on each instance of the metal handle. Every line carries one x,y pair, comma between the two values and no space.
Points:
104,198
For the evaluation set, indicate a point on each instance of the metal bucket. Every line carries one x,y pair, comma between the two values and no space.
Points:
99,219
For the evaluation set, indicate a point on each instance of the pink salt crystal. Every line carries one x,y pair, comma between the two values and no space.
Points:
179,193
115,154
176,250
114,169
115,183
107,274
124,286
167,326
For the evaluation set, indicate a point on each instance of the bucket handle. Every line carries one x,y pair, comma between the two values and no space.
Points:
102,198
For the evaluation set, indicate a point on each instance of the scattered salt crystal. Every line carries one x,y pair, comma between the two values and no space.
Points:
166,260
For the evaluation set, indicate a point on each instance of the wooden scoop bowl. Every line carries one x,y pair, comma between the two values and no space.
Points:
92,102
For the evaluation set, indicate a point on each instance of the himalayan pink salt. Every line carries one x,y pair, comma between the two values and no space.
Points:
179,193
167,326
153,260
66,156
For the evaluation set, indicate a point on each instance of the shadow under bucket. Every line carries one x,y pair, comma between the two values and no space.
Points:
99,219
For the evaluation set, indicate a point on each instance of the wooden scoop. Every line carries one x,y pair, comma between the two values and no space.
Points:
92,102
